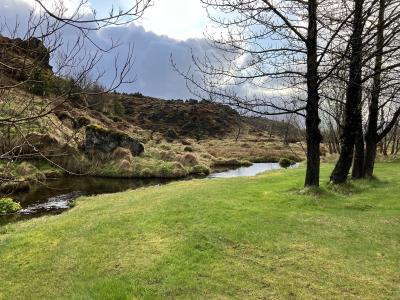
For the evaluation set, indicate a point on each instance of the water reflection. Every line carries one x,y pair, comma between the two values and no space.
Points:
247,171
56,196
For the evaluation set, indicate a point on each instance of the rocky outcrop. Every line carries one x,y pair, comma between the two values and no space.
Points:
99,139
23,57
195,119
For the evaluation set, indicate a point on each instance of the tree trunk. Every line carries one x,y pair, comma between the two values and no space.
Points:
370,156
358,161
314,136
353,100
371,138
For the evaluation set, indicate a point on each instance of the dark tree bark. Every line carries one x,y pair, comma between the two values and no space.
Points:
314,136
353,99
359,153
371,135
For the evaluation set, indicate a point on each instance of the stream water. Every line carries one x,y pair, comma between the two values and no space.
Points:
56,196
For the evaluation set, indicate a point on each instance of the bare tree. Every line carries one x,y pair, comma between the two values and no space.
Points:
384,91
352,117
375,27
279,52
31,90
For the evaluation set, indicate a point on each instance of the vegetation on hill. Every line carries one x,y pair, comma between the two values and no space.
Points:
59,125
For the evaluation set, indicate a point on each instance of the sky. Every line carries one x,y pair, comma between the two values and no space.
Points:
156,36
161,18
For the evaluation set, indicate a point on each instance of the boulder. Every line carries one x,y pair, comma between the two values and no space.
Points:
99,139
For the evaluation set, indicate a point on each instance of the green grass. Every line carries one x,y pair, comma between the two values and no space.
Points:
244,238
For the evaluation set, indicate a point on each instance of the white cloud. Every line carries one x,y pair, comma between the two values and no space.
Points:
179,19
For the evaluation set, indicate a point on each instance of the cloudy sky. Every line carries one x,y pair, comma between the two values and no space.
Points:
156,36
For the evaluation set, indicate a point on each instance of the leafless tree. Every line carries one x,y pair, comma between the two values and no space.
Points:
278,51
31,90
373,40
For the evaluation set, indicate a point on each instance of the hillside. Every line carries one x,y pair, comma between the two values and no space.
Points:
120,135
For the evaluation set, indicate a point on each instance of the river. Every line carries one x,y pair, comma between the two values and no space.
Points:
56,196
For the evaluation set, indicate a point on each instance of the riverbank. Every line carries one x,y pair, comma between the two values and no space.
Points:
257,237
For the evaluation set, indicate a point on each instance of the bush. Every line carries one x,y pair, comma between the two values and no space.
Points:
221,162
171,134
186,142
188,159
285,162
146,172
188,149
8,206
167,155
82,121
25,169
118,107
200,170
120,153
138,95
125,165
39,83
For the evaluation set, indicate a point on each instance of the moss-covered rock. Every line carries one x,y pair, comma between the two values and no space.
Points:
102,140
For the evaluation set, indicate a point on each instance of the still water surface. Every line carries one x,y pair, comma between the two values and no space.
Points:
56,196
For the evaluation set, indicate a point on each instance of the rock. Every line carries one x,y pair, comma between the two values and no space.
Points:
99,139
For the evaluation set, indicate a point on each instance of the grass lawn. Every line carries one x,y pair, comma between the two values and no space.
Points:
244,238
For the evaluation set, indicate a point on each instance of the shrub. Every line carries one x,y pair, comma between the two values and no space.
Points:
25,169
8,206
186,142
167,155
82,121
188,159
171,134
146,172
179,170
125,165
138,95
188,149
200,170
122,154
221,162
165,147
118,107
39,82
285,162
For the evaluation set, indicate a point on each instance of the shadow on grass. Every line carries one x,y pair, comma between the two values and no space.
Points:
338,196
